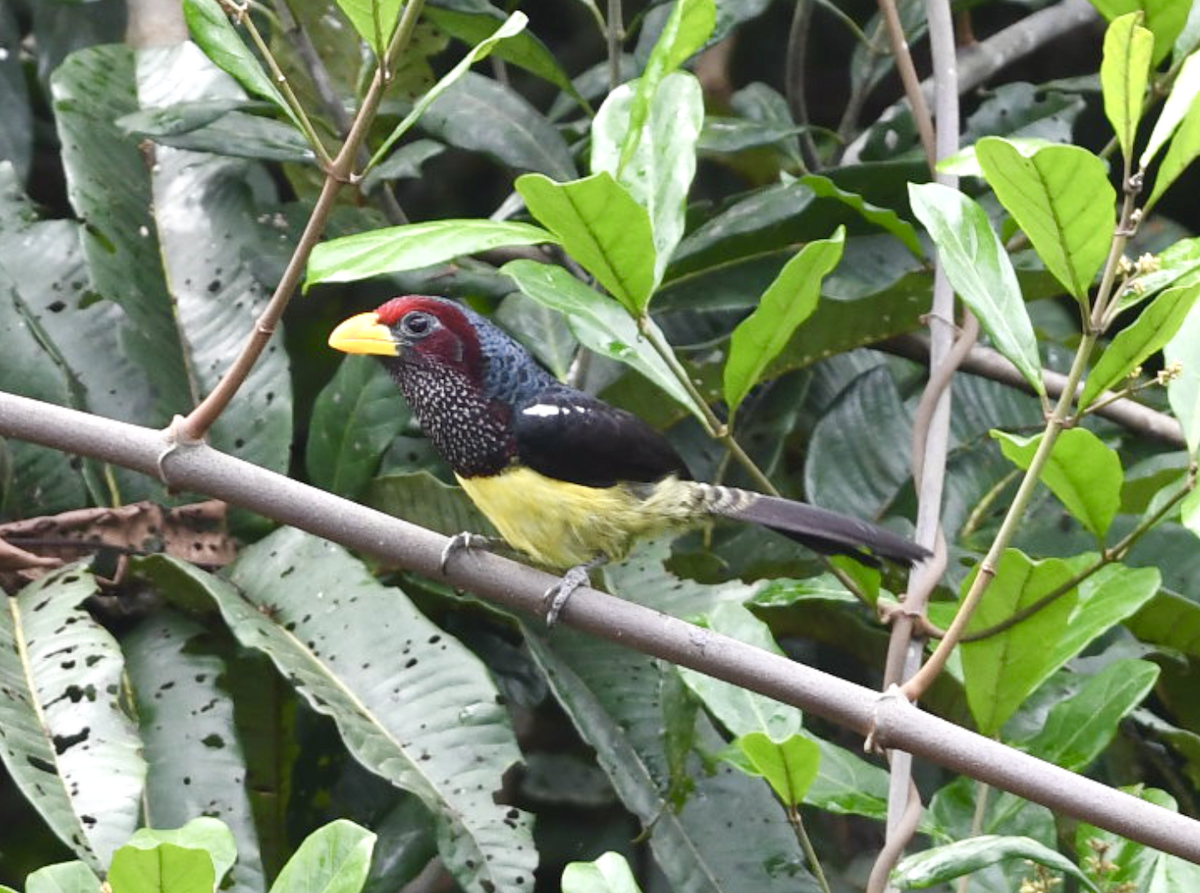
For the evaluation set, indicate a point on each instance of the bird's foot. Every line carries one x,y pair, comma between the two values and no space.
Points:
557,595
465,541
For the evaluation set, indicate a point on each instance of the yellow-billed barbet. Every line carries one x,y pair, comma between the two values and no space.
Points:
567,479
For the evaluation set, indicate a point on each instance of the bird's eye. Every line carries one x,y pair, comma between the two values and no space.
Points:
416,324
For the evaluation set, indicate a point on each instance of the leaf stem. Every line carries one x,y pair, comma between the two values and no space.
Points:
810,852
241,13
713,426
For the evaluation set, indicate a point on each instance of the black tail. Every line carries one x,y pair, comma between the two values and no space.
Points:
819,529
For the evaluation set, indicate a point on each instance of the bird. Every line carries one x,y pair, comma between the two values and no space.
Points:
567,479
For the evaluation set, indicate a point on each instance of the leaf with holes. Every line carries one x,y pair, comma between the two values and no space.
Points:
64,737
410,703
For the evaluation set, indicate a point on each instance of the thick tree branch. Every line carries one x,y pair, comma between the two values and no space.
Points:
897,724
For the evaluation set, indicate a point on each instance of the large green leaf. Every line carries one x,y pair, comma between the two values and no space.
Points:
1154,328
661,169
1078,729
1124,73
598,322
110,190
413,246
602,227
1081,471
1001,670
1060,196
205,833
64,877
789,766
1182,151
191,744
64,737
202,206
980,271
411,704
355,418
483,115
790,299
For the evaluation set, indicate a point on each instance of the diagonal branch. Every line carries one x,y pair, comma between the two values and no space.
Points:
198,468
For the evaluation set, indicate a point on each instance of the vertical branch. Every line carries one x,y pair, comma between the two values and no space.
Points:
912,84
931,428
614,32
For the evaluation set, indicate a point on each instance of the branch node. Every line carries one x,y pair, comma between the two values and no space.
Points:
176,436
871,743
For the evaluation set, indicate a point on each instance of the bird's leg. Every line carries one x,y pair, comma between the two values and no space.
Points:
467,540
558,594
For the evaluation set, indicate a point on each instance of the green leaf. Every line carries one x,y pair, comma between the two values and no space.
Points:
599,323
411,704
943,863
481,114
1124,73
1169,620
1081,471
413,246
212,31
1154,328
1165,18
1001,670
355,419
789,766
603,228
192,748
472,22
885,218
335,858
67,742
661,169
1180,101
689,25
608,874
374,20
789,300
64,877
514,24
234,133
1060,196
1078,729
207,834
1184,390
163,868
1182,151
981,273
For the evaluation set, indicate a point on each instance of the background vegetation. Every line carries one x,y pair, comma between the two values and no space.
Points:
161,663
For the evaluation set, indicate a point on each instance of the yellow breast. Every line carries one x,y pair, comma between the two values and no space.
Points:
560,524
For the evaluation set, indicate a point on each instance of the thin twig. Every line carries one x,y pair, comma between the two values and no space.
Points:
795,83
908,77
339,173
614,34
810,852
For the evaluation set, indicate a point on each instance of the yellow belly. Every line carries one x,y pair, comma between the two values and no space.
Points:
561,524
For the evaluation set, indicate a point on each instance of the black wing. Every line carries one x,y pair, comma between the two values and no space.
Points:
570,436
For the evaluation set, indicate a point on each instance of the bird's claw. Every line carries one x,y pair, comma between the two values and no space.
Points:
557,595
462,542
